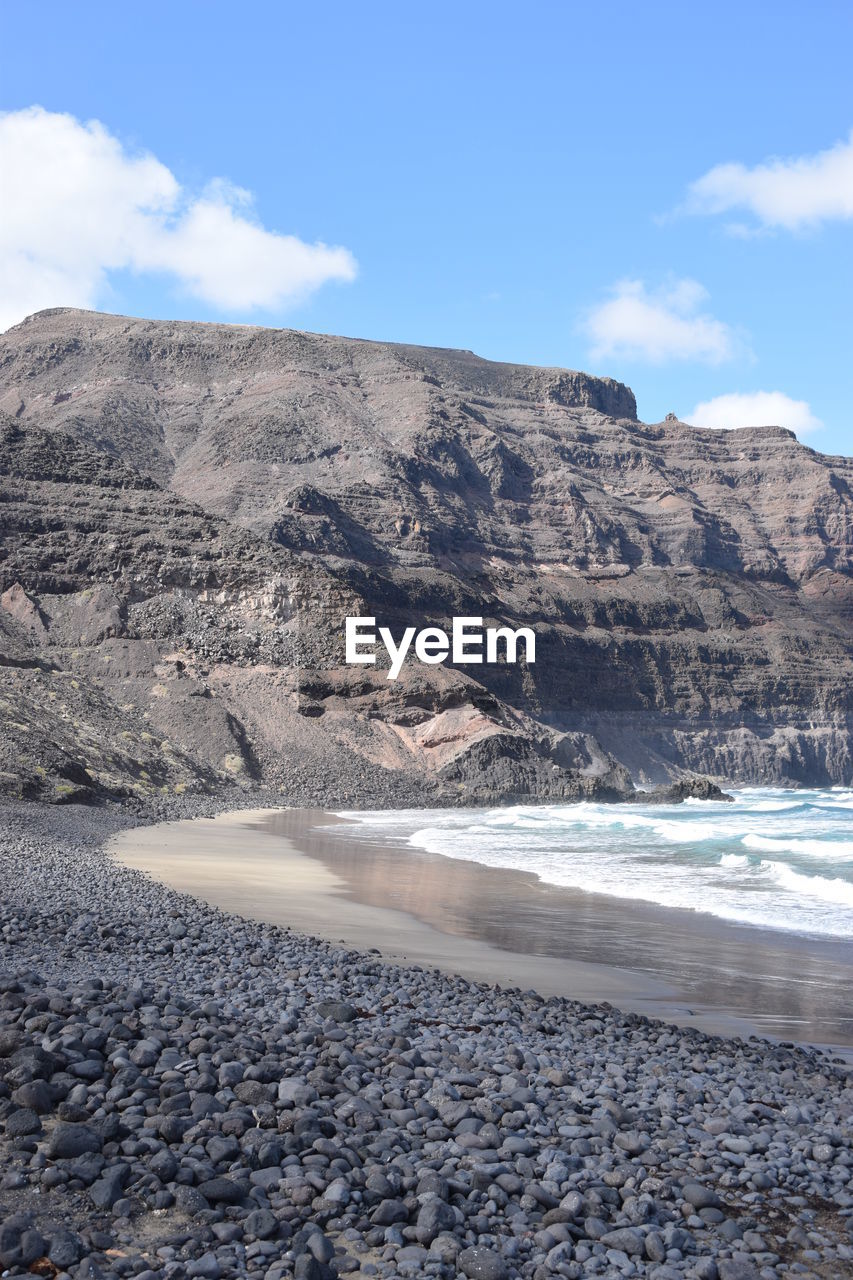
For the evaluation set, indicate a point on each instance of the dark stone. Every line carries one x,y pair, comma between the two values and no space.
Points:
10,1041
261,1225
173,1127
482,1264
110,1186
434,1217
269,1155
207,1267
163,1165
337,1010
700,1197
189,1200
65,1249
388,1212
35,1095
87,1168
253,1092
740,1267
204,1105
70,1140
556,1216
307,1267
627,1239
413,1253
20,1242
320,1246
224,1190
21,1124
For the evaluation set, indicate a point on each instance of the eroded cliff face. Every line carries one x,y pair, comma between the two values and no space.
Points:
190,511
147,646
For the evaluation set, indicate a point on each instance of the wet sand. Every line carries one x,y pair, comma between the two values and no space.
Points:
298,868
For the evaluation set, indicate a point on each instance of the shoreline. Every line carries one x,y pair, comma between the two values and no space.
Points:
686,968
184,1091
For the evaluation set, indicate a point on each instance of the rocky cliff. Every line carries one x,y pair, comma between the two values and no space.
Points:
190,511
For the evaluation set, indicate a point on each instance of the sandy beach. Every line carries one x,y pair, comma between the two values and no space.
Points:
296,868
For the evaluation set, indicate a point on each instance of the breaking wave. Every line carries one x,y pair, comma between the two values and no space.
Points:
700,856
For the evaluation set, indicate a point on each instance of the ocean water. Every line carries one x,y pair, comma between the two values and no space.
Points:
774,858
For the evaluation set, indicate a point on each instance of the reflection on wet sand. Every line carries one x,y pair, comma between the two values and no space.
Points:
785,985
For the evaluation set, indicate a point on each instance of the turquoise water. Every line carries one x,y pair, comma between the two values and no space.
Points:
775,858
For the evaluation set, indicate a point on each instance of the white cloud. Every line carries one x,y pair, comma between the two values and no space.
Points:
755,409
78,206
792,193
659,325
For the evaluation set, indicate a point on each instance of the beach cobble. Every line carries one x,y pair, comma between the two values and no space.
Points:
185,1093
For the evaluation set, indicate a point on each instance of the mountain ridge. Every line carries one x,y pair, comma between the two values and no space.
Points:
692,590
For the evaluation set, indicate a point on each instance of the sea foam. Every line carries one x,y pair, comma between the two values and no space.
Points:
700,857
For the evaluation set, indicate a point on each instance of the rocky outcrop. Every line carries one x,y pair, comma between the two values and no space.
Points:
190,512
686,789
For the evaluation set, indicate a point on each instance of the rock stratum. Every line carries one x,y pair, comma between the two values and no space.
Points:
188,512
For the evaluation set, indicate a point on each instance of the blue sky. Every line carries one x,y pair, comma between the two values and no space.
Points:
537,183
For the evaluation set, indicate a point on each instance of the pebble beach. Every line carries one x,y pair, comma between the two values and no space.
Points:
188,1093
